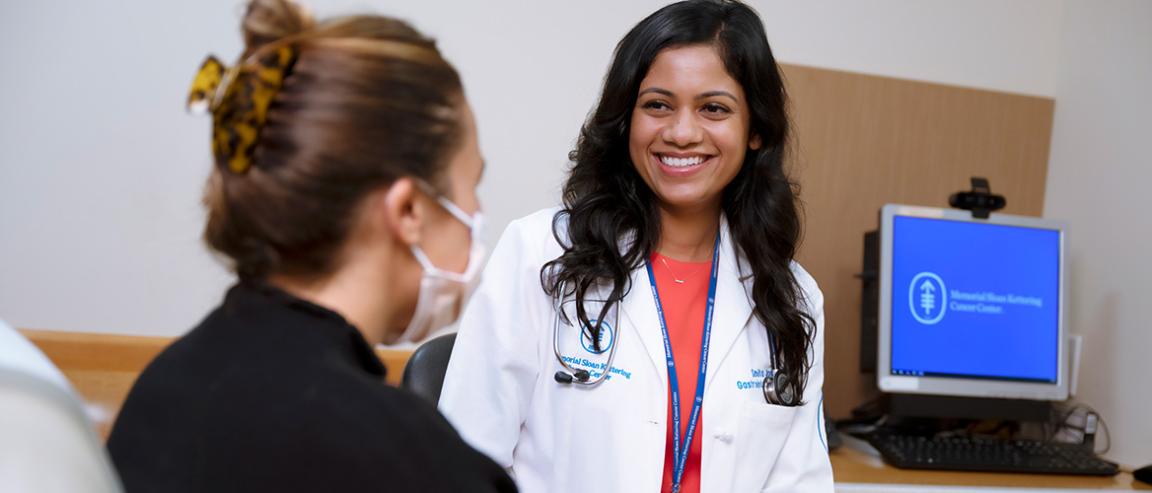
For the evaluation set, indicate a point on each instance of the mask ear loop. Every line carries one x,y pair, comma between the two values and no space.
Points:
431,269
471,220
474,222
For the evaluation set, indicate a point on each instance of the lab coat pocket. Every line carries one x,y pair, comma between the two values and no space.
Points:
762,430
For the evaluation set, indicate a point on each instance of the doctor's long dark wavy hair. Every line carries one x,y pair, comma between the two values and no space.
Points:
606,200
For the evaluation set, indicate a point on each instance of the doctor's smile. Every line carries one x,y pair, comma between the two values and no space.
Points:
682,165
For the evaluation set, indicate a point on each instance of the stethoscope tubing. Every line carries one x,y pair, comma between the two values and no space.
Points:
573,371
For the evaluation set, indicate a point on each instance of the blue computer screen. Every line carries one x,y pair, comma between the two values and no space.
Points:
974,300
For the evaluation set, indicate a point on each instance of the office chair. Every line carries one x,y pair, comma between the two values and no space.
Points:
424,373
47,443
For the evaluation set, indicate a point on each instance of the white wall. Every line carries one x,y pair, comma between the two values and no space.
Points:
1098,180
991,44
101,170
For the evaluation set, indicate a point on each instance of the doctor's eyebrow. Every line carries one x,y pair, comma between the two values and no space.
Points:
711,94
703,95
657,90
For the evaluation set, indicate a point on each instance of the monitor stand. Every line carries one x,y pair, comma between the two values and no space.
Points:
942,406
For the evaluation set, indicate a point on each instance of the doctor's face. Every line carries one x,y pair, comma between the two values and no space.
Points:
690,128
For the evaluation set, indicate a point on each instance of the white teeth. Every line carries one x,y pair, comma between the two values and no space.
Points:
681,162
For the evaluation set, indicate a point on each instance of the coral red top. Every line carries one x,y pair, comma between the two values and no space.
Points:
684,304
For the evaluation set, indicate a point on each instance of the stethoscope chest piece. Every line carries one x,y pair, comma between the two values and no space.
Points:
777,391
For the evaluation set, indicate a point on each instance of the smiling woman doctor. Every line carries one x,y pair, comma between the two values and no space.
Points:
671,267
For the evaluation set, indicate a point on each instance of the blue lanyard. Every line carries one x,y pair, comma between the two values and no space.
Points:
680,454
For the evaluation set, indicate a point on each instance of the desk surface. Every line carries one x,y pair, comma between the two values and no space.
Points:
850,465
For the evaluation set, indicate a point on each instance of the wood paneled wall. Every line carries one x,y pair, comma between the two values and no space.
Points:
862,141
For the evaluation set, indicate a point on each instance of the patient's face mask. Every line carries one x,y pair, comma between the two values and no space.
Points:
444,293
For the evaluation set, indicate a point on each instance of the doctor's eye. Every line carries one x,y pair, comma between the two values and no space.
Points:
715,110
656,105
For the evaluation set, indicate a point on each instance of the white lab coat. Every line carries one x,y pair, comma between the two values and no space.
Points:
501,395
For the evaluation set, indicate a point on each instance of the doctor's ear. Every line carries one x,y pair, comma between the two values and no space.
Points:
401,211
754,142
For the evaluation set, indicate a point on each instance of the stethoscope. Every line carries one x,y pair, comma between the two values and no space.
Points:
775,386
570,375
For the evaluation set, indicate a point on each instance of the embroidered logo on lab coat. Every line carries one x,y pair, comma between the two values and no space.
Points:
607,337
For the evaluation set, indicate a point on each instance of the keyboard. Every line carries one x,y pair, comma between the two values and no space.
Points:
977,454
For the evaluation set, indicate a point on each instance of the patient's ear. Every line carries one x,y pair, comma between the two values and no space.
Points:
399,211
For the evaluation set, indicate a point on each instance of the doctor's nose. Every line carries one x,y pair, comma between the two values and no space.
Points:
683,130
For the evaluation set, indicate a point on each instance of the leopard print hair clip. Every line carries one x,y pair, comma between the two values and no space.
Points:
238,98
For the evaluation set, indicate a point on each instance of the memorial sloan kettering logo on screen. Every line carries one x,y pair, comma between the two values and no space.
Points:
929,300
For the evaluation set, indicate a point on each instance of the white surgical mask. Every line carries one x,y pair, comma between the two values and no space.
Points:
443,293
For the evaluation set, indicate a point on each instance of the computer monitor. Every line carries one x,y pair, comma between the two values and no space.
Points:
971,307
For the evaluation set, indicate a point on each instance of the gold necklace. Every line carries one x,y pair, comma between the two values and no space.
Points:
670,271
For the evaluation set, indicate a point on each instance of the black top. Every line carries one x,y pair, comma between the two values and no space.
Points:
272,393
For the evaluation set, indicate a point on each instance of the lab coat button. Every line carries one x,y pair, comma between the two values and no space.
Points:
724,436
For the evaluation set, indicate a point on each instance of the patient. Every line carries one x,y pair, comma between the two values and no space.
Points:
344,197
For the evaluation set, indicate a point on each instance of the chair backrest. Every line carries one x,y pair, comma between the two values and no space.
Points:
47,442
424,373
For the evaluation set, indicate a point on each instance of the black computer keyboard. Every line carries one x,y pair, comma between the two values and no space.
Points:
976,454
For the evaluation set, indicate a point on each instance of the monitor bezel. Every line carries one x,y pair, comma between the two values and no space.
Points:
958,385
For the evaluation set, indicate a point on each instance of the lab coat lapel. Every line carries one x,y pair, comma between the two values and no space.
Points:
733,306
639,309
729,317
